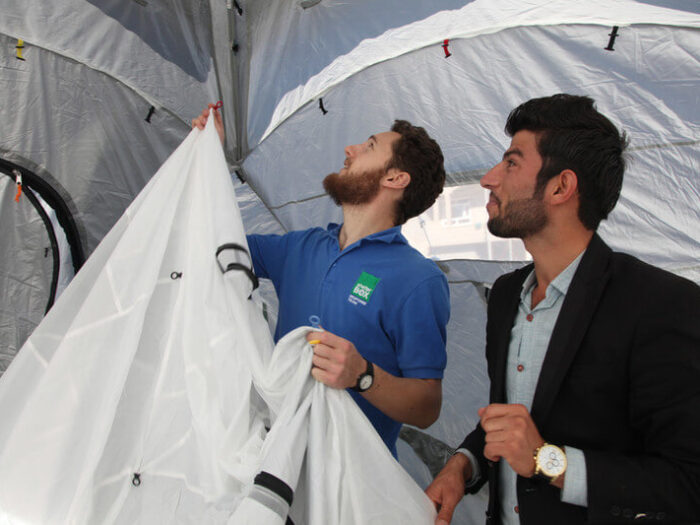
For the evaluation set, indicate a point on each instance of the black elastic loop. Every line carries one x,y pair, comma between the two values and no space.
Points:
320,105
136,480
151,111
238,266
175,275
613,36
276,485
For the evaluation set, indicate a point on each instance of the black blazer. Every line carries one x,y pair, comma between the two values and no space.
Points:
620,381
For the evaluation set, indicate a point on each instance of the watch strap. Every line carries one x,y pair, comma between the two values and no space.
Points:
369,371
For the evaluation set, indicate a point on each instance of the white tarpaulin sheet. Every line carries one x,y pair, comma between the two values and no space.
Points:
144,395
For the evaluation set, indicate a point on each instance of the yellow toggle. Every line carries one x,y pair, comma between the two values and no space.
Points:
20,47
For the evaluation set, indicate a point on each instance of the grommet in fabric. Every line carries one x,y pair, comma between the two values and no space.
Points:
175,275
136,480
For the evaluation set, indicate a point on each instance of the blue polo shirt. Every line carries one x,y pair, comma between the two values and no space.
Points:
379,293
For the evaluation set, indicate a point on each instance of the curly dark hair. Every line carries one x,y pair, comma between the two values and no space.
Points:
420,156
572,134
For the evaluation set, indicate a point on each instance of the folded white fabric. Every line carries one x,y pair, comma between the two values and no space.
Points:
146,393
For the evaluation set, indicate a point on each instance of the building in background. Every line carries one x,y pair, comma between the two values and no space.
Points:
455,228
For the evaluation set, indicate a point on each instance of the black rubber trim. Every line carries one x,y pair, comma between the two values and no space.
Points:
29,195
276,485
27,192
49,194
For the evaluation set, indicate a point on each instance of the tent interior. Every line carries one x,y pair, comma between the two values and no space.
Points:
96,94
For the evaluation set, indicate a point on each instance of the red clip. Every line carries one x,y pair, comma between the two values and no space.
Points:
444,46
218,105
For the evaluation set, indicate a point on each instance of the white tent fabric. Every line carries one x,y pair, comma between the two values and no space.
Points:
76,112
144,395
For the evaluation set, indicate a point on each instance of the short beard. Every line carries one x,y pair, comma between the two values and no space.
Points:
352,188
520,218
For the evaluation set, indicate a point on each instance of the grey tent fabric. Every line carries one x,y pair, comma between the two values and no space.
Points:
104,92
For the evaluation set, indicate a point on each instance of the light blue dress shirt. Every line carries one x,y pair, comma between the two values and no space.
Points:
529,340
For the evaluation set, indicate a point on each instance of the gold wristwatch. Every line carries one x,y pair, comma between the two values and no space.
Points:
550,462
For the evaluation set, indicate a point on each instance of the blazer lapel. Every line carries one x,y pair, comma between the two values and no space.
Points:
576,313
501,317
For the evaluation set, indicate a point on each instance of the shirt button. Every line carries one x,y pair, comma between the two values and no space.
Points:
530,317
521,368
516,509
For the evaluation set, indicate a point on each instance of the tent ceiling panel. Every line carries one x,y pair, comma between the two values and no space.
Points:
99,156
658,217
463,101
280,33
161,48
479,17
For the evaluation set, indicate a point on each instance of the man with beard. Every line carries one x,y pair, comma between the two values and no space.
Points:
382,306
593,356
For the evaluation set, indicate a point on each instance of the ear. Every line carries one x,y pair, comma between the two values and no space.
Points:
563,187
396,179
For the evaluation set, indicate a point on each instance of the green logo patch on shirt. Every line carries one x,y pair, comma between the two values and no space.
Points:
363,289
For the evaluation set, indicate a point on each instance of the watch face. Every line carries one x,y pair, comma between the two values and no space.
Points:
365,382
551,460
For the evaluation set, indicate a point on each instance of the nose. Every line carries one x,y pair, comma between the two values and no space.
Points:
490,179
352,151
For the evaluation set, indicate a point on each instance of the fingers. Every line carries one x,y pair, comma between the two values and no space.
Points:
200,121
327,338
501,410
447,489
511,434
313,336
445,498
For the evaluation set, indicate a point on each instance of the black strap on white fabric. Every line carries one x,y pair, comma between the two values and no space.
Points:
276,485
272,492
247,270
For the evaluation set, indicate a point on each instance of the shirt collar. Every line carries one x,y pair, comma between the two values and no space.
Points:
560,283
388,236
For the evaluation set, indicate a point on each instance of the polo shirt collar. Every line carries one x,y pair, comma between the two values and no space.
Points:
388,236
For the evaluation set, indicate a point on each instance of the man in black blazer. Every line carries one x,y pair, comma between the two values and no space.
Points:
593,356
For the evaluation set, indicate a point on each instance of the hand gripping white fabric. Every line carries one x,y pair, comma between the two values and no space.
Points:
144,395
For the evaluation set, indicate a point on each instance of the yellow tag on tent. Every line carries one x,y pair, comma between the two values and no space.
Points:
20,47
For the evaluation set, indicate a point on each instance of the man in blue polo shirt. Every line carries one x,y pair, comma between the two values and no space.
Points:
382,305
